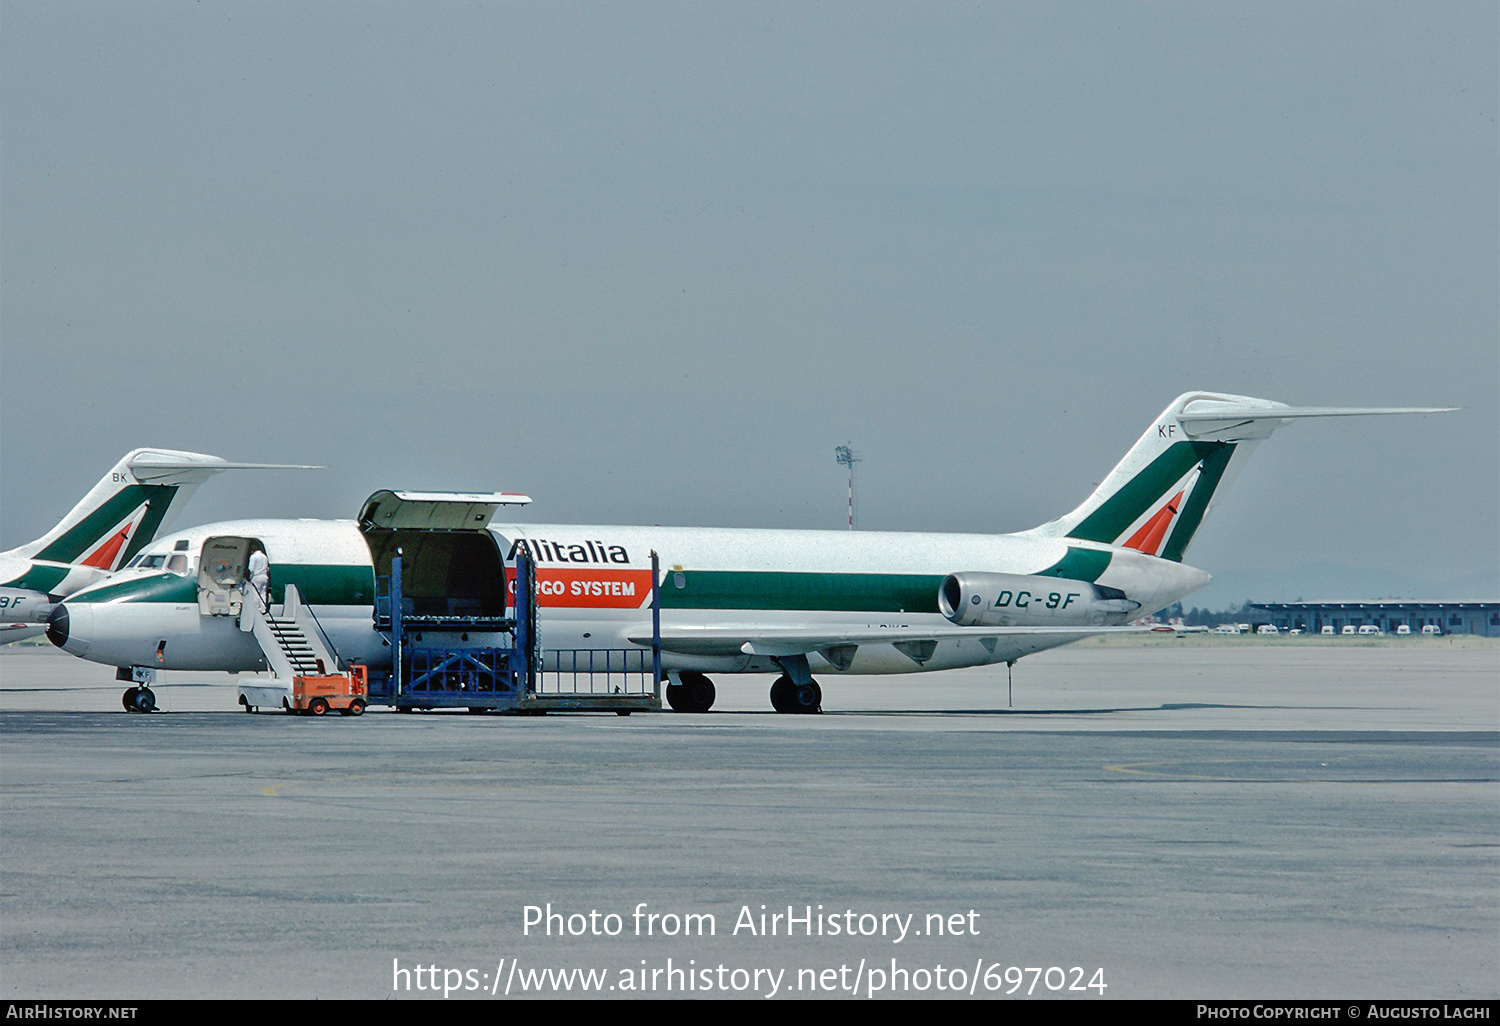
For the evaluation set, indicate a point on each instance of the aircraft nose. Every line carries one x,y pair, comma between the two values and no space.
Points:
63,629
57,626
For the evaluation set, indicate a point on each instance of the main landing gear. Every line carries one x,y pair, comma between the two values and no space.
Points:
789,697
795,691
695,694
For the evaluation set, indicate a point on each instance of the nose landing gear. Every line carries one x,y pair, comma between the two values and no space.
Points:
139,700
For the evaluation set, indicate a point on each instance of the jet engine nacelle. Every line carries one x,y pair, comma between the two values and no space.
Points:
1020,600
18,605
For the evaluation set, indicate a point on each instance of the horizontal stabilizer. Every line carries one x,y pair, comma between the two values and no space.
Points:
166,466
1223,420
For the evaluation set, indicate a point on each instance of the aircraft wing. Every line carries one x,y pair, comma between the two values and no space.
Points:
762,640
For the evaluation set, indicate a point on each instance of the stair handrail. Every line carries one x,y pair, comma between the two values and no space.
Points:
263,606
338,660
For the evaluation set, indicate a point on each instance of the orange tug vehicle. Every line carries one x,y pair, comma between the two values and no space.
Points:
314,695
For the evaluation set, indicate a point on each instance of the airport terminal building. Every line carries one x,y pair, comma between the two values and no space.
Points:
1482,618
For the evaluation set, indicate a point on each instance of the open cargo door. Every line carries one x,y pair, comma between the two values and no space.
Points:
451,566
434,511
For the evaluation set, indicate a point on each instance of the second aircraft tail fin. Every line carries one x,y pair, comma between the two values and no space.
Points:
129,507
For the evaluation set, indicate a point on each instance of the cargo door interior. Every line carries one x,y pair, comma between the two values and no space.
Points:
451,566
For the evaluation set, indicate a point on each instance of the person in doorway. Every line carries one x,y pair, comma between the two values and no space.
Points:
259,571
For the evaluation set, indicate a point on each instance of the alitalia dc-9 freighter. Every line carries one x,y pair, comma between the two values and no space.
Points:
790,602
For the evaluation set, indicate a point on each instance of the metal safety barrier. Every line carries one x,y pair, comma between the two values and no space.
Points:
596,671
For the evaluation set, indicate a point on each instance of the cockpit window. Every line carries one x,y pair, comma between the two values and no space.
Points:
133,562
147,562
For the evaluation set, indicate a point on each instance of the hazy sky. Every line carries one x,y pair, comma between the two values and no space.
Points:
651,262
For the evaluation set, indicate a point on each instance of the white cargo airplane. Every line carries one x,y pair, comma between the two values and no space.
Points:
732,601
119,516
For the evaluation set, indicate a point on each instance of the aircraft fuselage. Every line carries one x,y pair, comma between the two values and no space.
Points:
594,591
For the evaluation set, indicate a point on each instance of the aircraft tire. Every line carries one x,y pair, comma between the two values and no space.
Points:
699,692
808,698
144,701
781,695
677,697
128,699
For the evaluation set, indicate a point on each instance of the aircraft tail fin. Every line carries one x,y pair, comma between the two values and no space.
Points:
1157,496
129,507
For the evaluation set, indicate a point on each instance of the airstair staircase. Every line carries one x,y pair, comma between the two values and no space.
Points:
291,641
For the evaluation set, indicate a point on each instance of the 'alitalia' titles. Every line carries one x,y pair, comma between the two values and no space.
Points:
544,551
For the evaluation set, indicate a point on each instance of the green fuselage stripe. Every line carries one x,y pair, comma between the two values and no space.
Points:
325,584
168,588
765,589
701,589
332,585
